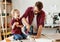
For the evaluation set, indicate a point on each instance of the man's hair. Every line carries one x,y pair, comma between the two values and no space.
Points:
39,5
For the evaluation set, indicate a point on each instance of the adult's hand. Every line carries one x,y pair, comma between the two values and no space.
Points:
35,37
25,23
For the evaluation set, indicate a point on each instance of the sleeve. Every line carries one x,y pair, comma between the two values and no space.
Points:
26,13
42,19
12,22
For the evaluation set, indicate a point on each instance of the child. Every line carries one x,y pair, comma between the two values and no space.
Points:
16,24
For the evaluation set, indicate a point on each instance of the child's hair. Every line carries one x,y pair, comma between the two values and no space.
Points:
13,11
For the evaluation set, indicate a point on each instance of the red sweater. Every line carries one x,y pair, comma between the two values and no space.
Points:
16,30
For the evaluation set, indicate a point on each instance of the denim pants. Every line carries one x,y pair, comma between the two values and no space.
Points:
19,36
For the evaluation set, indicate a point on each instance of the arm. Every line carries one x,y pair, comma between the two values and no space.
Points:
26,13
19,26
14,24
39,31
25,23
40,25
41,22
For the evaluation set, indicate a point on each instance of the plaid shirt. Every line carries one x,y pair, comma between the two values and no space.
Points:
30,15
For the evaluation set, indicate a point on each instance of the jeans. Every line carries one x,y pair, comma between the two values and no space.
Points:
19,36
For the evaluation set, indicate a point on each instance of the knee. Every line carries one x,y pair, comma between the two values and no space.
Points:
17,37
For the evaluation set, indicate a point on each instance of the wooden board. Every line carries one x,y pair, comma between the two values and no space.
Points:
44,38
0,30
55,37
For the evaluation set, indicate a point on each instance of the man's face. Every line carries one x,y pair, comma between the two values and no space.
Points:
35,10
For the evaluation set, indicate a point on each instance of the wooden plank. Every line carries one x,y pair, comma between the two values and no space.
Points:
0,22
6,33
2,25
55,37
4,3
0,35
6,18
0,30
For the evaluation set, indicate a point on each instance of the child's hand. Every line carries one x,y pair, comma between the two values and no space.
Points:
16,23
20,26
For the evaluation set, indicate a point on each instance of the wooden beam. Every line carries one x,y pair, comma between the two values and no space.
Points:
6,17
0,30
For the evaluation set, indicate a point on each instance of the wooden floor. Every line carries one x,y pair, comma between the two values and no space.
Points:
49,34
43,38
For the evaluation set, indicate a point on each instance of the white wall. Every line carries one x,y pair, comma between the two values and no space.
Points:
0,0
22,4
0,3
49,6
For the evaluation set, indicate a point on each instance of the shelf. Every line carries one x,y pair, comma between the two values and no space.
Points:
5,29
5,16
9,32
6,3
6,33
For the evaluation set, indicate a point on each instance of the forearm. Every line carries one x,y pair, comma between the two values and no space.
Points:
19,26
39,30
13,26
25,23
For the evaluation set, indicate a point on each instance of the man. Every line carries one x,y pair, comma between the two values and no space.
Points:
36,17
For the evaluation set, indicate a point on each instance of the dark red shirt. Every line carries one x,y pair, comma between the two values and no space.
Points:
30,14
16,30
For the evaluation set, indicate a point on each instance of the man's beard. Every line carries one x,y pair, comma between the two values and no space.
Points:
36,13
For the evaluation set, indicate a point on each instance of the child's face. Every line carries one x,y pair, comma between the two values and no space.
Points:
17,14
